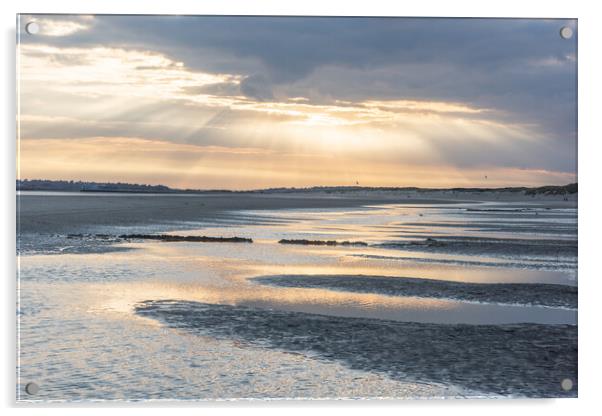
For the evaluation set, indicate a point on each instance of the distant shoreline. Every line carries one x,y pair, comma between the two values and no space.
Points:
99,187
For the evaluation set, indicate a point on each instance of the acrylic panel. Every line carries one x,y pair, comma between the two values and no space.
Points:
269,207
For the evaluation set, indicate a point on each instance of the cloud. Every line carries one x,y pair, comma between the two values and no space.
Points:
494,93
257,87
229,89
56,26
486,62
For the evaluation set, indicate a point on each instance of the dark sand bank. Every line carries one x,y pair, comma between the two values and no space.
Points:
487,246
304,242
524,359
185,238
507,293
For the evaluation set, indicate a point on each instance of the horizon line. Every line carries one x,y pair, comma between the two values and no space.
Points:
169,189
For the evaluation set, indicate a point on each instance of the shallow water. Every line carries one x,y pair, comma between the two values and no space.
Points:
82,335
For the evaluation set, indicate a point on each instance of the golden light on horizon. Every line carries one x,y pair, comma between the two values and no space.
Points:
212,167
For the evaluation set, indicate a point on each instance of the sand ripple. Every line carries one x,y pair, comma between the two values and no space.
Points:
525,360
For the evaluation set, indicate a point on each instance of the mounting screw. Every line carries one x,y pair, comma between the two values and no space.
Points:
32,388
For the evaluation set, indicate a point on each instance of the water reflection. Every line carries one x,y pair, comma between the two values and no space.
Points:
77,320
218,273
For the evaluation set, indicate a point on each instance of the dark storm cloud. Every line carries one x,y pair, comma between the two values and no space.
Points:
462,59
291,47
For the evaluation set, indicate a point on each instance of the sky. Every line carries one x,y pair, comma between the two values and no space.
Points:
210,102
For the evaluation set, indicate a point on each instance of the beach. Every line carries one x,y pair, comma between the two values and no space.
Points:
235,207
301,294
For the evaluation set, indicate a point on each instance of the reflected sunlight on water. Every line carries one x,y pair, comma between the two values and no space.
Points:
77,319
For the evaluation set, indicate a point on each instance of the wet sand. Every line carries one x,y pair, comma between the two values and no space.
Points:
502,293
457,309
60,213
526,360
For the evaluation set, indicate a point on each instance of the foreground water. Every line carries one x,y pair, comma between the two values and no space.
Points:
102,318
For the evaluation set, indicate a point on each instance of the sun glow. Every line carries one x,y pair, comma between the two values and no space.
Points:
212,167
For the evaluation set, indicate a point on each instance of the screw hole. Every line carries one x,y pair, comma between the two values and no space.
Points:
32,388
566,32
567,384
32,28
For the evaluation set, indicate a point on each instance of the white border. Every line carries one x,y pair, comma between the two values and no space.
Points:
590,24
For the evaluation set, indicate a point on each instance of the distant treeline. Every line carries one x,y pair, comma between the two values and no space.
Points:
81,186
